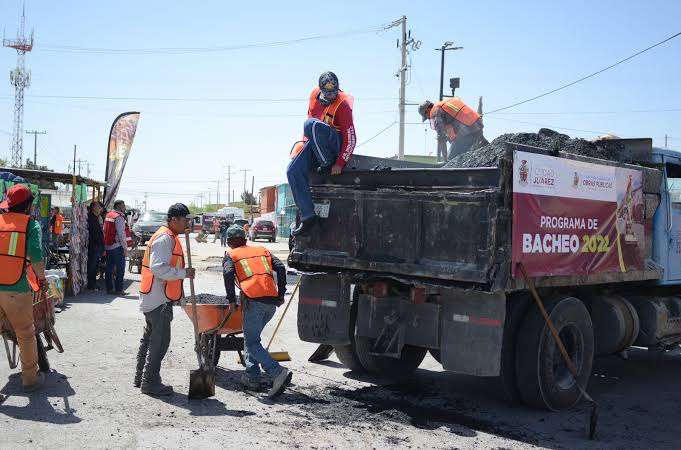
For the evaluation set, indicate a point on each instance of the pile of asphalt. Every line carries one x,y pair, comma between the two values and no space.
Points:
209,299
488,155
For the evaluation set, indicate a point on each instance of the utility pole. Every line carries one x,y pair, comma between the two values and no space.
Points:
245,171
146,195
253,186
230,197
665,141
405,41
403,86
35,134
217,193
74,159
441,140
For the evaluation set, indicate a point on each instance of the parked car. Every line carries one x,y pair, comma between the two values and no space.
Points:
147,225
263,229
240,222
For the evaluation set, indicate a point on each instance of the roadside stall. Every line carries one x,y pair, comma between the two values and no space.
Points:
68,255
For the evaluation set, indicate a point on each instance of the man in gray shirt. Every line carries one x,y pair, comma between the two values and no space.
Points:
162,274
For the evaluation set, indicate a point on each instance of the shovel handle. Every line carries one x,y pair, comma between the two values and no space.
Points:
195,319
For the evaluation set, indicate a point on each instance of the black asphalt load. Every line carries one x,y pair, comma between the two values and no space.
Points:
488,155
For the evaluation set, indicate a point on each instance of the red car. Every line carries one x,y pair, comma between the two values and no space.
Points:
263,229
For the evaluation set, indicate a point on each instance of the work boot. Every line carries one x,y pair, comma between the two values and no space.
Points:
157,390
37,385
280,382
121,293
305,226
249,383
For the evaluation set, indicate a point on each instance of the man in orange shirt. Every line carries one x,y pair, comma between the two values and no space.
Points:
456,122
328,142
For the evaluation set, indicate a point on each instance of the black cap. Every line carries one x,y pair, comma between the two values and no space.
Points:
178,210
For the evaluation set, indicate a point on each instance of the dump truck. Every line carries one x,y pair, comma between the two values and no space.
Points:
412,259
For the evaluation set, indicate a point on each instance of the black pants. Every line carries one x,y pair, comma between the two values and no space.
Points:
154,344
94,257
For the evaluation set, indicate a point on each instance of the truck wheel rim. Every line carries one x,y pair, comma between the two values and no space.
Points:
572,339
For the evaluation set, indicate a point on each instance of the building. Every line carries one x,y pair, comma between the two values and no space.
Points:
268,199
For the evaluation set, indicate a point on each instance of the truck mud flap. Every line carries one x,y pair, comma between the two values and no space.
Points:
472,331
324,309
398,320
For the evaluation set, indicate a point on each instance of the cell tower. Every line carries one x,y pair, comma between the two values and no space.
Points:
20,79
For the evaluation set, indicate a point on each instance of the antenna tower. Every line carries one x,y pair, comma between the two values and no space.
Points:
20,78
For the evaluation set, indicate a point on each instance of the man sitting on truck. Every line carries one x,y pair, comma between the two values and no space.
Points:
456,122
251,268
328,142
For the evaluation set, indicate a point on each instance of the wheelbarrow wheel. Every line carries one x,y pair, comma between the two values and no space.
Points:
43,362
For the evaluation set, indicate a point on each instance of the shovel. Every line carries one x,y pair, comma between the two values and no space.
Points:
201,380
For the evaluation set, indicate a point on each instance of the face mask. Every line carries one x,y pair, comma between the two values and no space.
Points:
327,98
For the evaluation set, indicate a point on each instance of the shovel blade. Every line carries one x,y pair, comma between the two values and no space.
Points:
201,384
322,353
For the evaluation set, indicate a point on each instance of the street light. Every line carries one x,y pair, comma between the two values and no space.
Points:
448,45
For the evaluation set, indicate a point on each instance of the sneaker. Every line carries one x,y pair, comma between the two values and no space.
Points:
37,385
157,390
249,383
280,382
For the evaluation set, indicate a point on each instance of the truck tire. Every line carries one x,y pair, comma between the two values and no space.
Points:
348,357
401,367
544,380
508,378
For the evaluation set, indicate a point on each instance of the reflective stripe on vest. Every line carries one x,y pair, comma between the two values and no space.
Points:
461,112
13,250
173,289
253,267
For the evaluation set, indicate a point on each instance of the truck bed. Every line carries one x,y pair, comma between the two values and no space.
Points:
440,224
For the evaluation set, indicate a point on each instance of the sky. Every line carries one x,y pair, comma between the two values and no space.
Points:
207,108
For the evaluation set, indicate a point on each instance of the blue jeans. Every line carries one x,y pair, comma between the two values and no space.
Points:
93,257
256,316
321,150
115,259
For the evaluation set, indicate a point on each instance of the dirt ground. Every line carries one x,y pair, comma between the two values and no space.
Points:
90,402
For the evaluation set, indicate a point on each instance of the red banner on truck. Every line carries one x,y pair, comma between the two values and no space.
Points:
576,218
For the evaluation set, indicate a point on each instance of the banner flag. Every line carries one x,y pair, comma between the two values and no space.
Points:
120,143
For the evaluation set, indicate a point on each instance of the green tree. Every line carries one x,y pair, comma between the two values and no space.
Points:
248,198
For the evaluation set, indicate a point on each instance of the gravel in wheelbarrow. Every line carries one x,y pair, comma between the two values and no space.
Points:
210,299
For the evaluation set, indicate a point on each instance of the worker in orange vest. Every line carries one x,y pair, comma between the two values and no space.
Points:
21,271
117,239
56,225
328,142
163,270
252,268
456,122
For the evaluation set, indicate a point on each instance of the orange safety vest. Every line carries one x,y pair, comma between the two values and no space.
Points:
173,288
13,250
110,228
328,115
253,265
458,110
58,224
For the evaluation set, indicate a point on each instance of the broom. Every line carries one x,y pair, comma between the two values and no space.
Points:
282,356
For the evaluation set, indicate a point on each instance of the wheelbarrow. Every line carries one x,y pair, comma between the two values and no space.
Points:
46,335
218,326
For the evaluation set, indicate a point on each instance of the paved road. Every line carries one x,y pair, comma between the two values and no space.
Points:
90,402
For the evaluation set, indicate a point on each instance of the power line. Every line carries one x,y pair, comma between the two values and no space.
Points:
585,77
219,48
377,134
194,99
632,111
